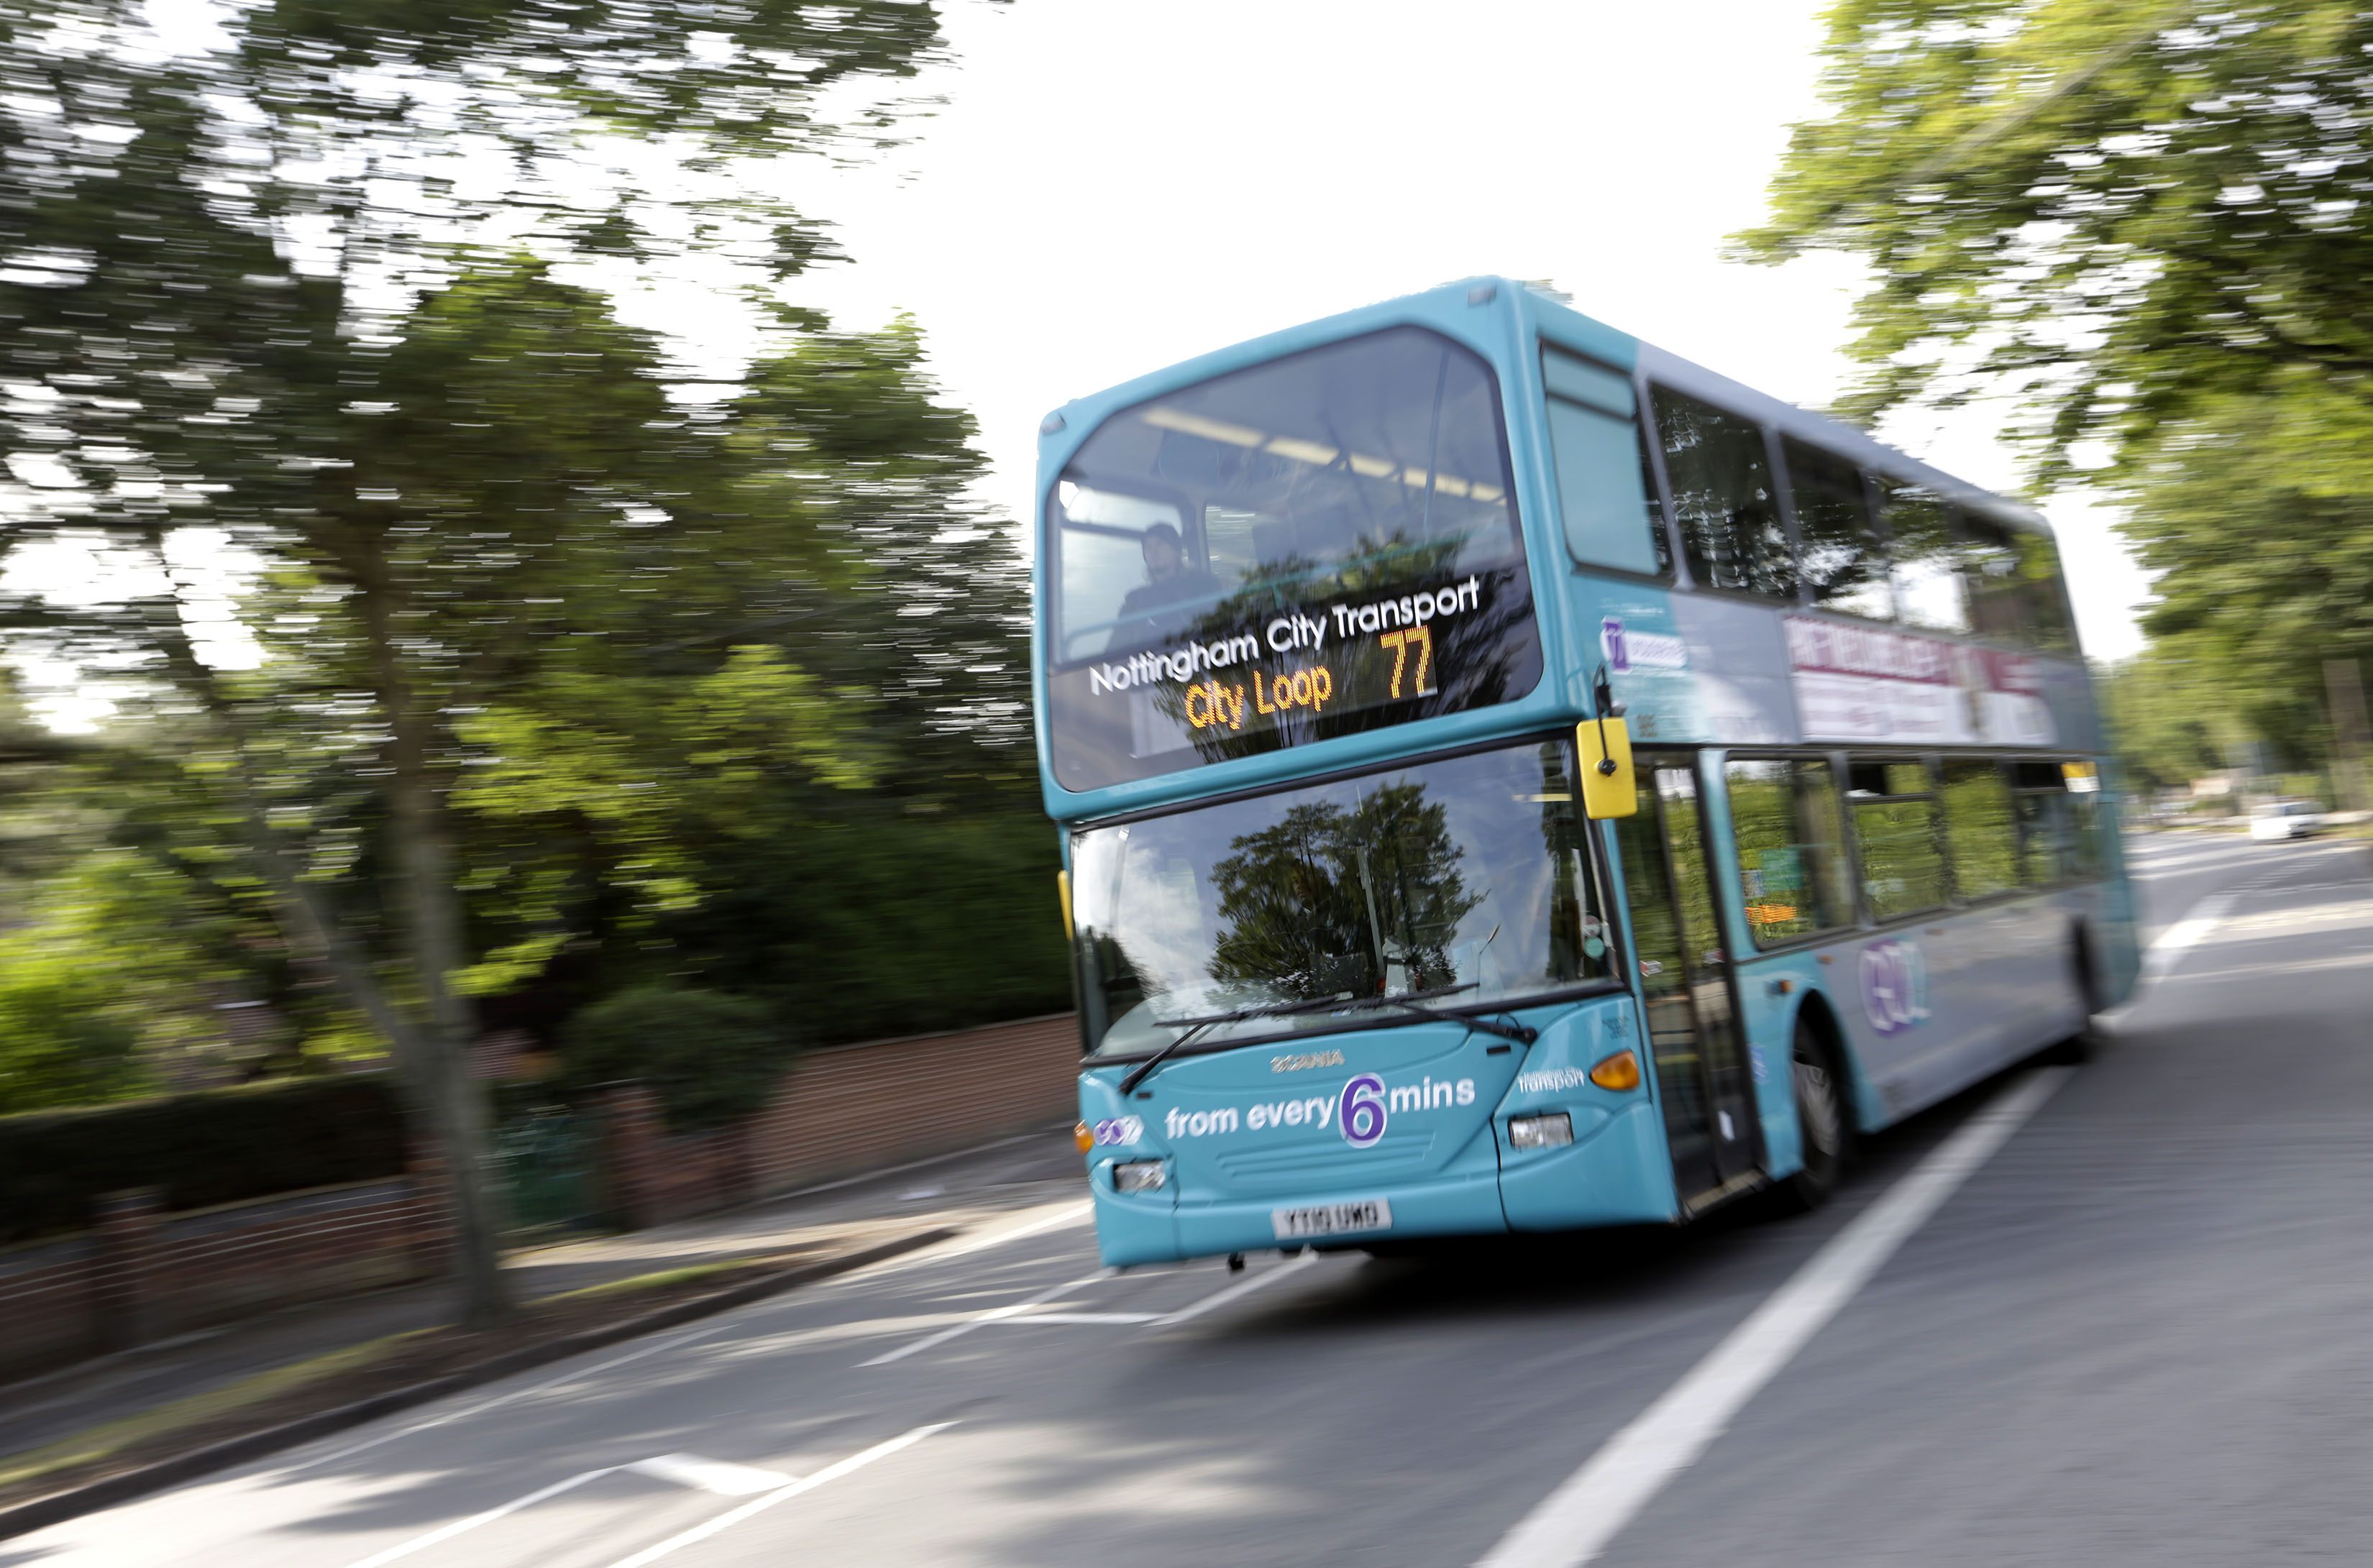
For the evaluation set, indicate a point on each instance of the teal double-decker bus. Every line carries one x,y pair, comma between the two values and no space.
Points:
1512,779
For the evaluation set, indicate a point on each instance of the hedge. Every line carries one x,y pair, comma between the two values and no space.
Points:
216,1146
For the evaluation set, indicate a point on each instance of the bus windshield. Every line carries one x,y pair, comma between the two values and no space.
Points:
1468,873
1316,545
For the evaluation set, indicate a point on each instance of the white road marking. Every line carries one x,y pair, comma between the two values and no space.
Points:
1028,1318
957,1247
1011,1309
2189,932
733,1516
1576,1523
710,1475
1241,1288
446,1532
688,1471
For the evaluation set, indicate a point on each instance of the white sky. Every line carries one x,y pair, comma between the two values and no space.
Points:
1114,185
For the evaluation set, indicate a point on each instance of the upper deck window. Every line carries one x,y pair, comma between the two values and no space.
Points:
1845,563
1337,520
2013,585
1925,547
1721,478
1346,461
1602,487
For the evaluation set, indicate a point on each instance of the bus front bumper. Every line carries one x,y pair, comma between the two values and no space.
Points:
1613,1174
1134,1230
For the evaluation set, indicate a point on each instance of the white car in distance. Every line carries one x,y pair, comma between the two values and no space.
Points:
2284,820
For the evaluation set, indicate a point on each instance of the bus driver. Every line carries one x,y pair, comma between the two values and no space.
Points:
1169,580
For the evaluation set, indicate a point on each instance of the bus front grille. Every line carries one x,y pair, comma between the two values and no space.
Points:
1299,1166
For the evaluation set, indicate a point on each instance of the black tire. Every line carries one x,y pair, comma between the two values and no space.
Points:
2079,1048
1822,1118
2074,1052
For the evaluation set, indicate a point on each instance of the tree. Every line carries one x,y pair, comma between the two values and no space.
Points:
2150,223
2167,720
296,280
2129,211
2257,518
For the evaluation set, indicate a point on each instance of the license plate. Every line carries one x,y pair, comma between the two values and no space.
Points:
1331,1219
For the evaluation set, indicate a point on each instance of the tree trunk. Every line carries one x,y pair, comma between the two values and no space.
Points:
432,930
433,924
432,1063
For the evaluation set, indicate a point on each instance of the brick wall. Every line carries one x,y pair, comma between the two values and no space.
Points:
858,1107
141,1275
213,1267
45,1302
850,1109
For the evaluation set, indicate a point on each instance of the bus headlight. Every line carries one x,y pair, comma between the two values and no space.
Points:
1550,1131
1139,1176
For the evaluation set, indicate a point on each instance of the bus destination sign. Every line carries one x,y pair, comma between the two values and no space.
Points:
1253,677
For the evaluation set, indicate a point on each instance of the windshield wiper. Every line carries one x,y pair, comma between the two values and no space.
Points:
1194,1027
1341,1001
1521,1034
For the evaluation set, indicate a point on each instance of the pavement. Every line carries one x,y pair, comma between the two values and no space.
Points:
2102,1316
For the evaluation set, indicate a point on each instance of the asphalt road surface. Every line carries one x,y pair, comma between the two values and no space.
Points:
2116,1314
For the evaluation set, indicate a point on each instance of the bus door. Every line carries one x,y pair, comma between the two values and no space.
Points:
1682,969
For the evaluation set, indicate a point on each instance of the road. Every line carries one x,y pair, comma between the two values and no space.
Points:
2105,1317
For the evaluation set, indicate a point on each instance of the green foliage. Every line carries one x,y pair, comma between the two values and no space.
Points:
198,1150
888,922
711,1057
2131,208
125,961
2171,718
2258,518
676,675
2150,221
60,1043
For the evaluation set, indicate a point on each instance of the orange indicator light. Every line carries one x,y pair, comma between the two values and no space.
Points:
1620,1071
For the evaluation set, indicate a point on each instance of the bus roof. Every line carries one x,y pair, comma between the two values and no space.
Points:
1560,322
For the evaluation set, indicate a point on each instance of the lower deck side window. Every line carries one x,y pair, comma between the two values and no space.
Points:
1981,827
1793,876
1895,828
2060,818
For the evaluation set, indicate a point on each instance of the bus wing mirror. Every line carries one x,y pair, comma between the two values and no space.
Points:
1607,789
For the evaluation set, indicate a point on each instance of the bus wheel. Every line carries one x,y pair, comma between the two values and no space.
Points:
2079,1048
1826,1130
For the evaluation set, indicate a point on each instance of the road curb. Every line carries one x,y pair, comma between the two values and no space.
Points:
107,1490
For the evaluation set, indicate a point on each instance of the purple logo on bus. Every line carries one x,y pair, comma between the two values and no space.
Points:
1612,643
1628,649
1894,985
